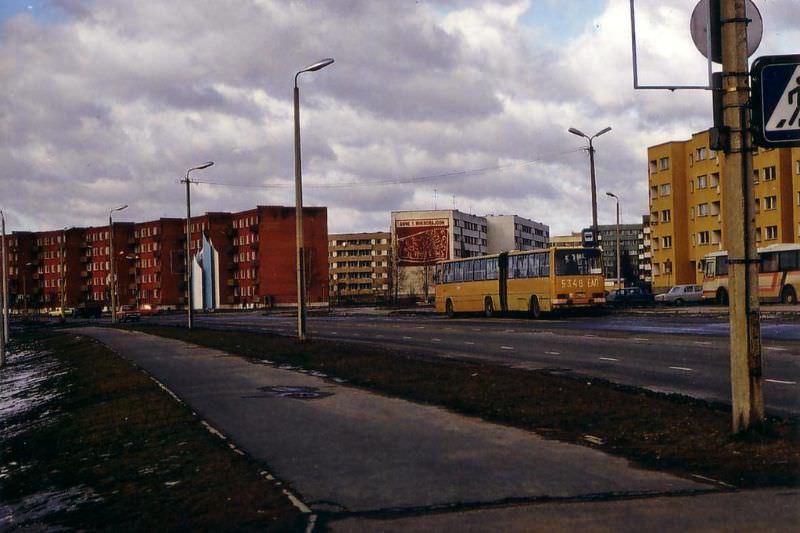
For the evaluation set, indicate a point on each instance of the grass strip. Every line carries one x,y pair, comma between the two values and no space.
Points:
662,431
146,458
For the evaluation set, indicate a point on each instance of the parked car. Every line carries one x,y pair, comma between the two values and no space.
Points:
629,296
62,313
128,313
682,294
88,310
148,309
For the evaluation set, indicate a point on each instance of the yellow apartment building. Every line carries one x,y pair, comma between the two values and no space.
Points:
685,179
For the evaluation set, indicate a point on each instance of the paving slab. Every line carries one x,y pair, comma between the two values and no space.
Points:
352,450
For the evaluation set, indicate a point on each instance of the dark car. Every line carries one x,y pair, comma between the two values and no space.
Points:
629,297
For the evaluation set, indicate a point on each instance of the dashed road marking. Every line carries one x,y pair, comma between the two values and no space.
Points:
639,339
781,382
420,327
553,353
589,336
608,358
506,347
775,349
704,343
683,368
406,338
334,332
436,340
475,329
469,343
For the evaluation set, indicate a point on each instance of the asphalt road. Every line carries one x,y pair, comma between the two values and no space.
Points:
685,355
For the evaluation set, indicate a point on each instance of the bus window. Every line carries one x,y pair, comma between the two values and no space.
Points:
491,268
721,265
437,273
789,260
458,272
577,262
769,262
479,273
542,263
468,270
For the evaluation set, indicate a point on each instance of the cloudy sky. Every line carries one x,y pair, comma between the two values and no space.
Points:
429,103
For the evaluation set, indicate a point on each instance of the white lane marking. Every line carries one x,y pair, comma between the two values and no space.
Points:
639,339
775,349
475,329
684,368
704,343
508,331
608,358
420,327
553,353
436,340
781,382
506,347
468,342
589,336
334,332
406,338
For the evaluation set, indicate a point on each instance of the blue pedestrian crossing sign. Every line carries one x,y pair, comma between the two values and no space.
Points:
776,101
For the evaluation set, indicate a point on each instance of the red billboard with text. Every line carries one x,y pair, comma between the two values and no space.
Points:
422,242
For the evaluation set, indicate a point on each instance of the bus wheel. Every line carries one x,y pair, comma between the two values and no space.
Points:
488,307
448,309
722,297
788,296
535,310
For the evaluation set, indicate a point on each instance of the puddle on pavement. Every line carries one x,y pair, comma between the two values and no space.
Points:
295,392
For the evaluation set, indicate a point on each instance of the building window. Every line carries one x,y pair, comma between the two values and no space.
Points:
769,173
666,215
703,237
702,181
665,189
755,176
770,202
702,210
666,242
653,192
714,180
771,233
654,167
702,154
757,204
797,167
663,163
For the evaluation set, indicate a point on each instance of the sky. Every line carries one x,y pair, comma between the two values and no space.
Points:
429,104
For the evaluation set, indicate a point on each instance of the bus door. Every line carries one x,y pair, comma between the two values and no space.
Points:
502,267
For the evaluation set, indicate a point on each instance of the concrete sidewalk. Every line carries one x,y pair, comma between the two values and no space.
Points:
352,451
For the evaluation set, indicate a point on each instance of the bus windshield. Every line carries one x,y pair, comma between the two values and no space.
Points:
577,262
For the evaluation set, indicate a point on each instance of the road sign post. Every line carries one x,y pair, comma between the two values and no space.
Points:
776,101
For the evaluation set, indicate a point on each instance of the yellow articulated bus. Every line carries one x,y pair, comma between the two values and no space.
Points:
778,274
534,281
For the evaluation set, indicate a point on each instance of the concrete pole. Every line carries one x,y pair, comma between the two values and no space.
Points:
112,273
298,192
6,316
595,236
63,270
619,281
188,254
739,217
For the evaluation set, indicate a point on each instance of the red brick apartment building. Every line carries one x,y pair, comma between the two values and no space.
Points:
255,249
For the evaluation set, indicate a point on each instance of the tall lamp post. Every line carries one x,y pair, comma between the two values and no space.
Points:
615,197
5,276
298,191
112,280
579,133
3,287
188,182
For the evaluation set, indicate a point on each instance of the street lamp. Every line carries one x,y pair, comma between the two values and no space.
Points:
579,133
298,191
4,273
187,181
615,197
112,281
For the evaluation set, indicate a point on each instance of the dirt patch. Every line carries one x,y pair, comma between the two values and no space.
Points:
667,432
111,450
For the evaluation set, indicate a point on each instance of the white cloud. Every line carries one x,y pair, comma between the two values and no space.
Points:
112,101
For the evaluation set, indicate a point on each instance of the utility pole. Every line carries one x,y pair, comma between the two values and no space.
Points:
739,218
4,273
